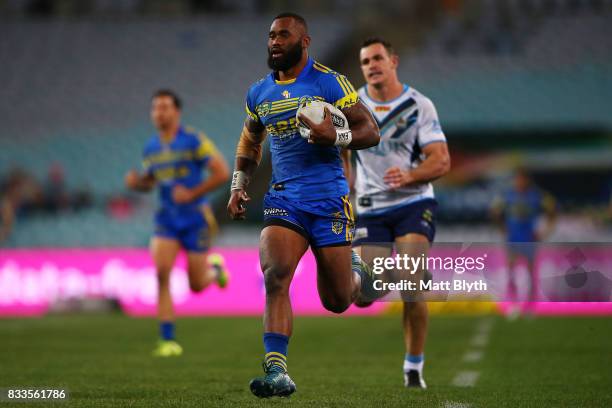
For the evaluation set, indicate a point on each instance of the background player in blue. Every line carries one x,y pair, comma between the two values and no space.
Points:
395,198
174,160
517,212
307,203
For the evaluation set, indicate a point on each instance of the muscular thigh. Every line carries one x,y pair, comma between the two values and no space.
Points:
334,272
164,252
196,265
280,250
415,246
412,243
368,252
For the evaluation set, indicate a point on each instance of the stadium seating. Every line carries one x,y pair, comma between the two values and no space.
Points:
78,94
553,71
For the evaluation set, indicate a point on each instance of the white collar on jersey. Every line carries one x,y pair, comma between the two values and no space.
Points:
404,91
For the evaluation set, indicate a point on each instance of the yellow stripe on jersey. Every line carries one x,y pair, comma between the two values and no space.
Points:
206,147
284,105
350,97
348,212
288,108
251,114
343,86
352,225
347,101
346,82
167,156
285,82
284,101
211,220
320,67
349,208
279,106
346,86
288,104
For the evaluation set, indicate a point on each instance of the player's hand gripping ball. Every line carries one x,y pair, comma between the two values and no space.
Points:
315,112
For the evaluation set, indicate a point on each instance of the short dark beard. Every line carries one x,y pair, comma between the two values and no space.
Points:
287,61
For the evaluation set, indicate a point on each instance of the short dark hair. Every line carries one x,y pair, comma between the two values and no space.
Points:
300,20
379,40
170,93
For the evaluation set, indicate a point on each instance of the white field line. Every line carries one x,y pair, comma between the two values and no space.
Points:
484,326
483,330
466,378
480,340
472,356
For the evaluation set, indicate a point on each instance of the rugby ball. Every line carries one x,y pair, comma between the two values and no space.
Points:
315,111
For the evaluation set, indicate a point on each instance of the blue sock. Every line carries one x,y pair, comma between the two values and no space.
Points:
416,359
276,345
166,330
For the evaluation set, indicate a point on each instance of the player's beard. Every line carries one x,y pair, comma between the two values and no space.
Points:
292,56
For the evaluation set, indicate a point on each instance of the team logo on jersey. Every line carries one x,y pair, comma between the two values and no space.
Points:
305,100
406,121
402,122
286,94
435,126
382,108
337,225
263,109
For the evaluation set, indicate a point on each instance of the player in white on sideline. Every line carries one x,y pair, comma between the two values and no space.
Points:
395,198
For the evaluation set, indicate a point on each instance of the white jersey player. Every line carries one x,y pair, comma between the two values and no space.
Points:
407,125
395,199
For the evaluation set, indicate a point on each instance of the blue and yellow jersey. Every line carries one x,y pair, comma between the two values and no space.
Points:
300,170
521,211
182,161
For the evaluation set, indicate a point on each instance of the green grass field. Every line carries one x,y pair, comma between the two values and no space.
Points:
336,361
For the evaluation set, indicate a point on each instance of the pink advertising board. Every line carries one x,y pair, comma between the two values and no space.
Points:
31,279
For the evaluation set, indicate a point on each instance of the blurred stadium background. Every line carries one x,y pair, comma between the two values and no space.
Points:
515,83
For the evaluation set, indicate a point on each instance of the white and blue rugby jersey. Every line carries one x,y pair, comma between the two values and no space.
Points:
407,124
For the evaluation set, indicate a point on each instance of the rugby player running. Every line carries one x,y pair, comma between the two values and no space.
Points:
395,198
175,158
307,203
